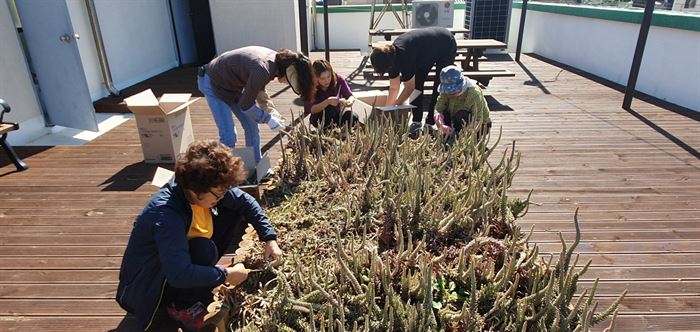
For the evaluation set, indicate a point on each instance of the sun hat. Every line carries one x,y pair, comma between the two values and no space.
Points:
293,79
451,80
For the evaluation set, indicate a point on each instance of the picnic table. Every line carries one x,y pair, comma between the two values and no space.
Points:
388,33
473,50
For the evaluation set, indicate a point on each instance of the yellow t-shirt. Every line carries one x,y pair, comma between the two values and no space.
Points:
202,223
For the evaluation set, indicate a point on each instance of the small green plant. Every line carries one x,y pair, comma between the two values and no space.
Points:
446,292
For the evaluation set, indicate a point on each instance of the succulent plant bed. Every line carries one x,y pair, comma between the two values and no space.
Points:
385,233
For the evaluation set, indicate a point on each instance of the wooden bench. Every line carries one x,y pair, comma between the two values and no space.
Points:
369,72
460,58
5,128
481,76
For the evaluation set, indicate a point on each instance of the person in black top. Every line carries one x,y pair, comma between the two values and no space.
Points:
409,60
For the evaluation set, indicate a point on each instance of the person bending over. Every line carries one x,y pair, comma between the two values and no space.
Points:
409,60
235,82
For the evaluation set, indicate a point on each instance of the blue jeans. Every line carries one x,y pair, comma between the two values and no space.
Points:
224,122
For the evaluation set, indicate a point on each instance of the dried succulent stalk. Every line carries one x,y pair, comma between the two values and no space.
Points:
393,234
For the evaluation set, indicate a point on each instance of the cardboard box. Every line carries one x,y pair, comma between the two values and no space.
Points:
256,171
164,125
366,99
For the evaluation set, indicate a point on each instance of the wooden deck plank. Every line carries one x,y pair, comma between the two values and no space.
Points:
650,322
75,291
638,193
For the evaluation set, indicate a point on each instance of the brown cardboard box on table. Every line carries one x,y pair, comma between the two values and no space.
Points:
164,125
370,105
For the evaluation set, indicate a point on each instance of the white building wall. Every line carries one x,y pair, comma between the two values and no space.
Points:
670,67
239,23
138,37
16,87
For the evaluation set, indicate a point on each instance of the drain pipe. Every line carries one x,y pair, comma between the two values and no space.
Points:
101,54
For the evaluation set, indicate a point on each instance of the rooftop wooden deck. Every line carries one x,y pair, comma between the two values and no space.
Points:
634,175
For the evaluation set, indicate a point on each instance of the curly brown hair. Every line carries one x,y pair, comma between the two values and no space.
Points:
208,164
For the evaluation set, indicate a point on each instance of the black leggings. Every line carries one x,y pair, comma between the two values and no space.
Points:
228,232
421,76
332,117
462,119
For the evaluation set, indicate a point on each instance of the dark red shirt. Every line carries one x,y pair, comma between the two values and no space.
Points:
340,90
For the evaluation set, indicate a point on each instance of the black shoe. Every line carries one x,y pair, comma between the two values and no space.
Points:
414,130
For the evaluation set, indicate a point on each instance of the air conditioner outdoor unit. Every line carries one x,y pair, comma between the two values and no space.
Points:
432,13
488,19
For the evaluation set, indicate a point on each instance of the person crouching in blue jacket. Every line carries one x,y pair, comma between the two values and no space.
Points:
186,227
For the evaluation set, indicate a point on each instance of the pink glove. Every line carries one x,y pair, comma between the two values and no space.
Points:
447,130
440,122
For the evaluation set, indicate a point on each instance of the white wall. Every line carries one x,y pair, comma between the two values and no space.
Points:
16,87
670,67
350,30
138,38
239,23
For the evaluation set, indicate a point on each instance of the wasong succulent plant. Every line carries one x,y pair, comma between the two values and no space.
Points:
386,233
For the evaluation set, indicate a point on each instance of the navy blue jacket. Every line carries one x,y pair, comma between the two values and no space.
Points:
158,249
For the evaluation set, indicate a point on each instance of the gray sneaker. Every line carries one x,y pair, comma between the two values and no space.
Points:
414,129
